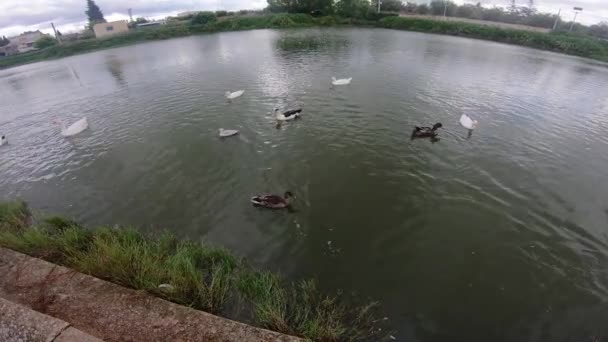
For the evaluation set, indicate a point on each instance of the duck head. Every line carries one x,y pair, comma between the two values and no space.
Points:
288,196
437,125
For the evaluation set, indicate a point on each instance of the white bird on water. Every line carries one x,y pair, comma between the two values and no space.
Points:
234,95
3,140
74,129
287,115
342,81
467,122
227,132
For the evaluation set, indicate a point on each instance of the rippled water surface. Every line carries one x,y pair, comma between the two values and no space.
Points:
499,237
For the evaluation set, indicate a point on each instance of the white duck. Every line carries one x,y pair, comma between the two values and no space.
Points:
234,95
342,81
287,115
75,128
3,140
467,122
227,132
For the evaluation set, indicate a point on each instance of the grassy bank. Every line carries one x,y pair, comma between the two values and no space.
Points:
564,43
558,42
197,275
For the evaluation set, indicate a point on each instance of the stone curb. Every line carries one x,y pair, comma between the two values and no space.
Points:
113,312
19,323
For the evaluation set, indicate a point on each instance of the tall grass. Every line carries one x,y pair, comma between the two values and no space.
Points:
193,274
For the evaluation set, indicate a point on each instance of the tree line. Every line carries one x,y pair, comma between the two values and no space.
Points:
512,14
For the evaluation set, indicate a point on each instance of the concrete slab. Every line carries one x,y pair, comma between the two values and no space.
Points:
112,312
19,323
74,335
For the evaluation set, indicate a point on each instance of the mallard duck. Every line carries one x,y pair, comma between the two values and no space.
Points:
342,81
3,140
75,128
467,122
288,115
234,95
227,132
426,132
272,201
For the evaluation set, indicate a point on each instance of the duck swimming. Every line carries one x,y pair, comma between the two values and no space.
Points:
74,129
272,201
426,132
224,133
3,140
233,95
288,115
467,122
341,81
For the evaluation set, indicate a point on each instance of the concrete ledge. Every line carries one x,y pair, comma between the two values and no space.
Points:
74,335
19,323
112,312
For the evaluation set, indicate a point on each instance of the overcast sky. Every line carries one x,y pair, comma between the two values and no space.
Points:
17,16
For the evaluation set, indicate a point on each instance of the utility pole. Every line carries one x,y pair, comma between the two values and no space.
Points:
576,11
379,3
56,35
557,19
130,14
445,9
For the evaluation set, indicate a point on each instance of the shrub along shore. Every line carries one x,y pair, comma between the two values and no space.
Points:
193,274
578,45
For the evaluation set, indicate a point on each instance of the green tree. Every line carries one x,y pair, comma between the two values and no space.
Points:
352,8
94,14
410,7
423,9
388,5
141,20
494,14
44,42
203,18
301,6
512,6
439,6
469,11
600,30
4,41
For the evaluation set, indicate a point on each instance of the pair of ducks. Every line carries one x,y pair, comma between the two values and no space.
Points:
431,132
282,202
231,95
281,117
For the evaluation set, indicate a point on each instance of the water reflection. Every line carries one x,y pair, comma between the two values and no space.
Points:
115,67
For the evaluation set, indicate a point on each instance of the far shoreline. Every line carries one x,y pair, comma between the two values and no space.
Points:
569,44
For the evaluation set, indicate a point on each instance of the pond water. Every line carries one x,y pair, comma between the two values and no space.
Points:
500,236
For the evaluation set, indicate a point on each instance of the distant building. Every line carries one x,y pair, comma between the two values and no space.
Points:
107,29
7,50
21,43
